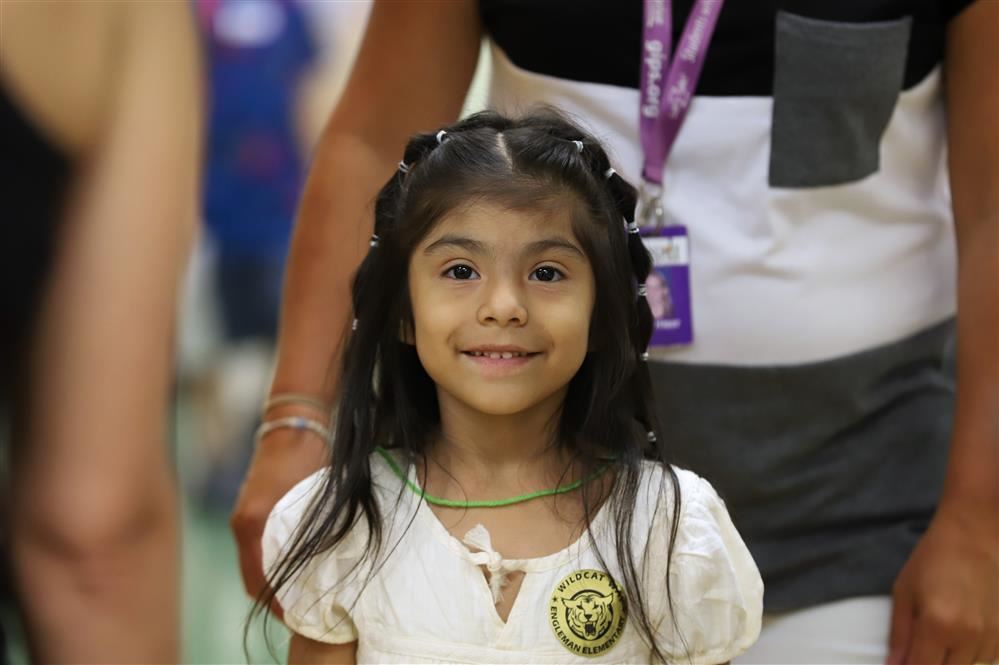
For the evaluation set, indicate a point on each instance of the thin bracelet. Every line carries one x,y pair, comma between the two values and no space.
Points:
294,422
295,398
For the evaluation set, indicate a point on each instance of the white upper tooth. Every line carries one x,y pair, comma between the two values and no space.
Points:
495,356
506,355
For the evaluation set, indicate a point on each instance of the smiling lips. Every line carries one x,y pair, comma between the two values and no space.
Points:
496,355
500,356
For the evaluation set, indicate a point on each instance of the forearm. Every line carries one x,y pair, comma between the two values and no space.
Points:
973,471
973,154
331,237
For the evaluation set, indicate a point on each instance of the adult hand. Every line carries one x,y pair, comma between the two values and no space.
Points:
946,599
280,461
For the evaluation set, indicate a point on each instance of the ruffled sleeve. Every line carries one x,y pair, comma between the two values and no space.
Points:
715,585
319,599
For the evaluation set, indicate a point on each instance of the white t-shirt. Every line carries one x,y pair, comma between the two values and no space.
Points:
428,600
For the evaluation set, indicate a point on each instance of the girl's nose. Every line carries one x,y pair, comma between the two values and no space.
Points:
503,304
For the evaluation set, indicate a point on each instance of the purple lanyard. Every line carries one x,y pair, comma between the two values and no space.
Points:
668,85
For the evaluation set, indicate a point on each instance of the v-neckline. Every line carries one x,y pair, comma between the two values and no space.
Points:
528,566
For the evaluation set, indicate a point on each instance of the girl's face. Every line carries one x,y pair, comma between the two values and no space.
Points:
501,302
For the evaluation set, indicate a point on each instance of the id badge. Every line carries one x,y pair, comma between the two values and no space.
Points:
667,289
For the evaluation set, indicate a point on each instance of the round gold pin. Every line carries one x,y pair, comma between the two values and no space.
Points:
587,612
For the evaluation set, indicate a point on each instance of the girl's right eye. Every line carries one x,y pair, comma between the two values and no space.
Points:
460,272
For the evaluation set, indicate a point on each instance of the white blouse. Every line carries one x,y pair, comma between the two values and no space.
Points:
428,601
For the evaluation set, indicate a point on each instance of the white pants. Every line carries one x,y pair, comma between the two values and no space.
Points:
848,631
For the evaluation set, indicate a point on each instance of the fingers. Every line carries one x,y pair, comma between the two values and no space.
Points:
251,566
902,618
926,650
945,637
963,655
247,526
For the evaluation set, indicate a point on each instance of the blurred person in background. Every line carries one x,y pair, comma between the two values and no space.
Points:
812,174
100,110
258,53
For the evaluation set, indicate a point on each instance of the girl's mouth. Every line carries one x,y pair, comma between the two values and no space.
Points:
499,362
500,355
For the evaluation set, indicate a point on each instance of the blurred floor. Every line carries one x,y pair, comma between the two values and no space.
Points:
215,606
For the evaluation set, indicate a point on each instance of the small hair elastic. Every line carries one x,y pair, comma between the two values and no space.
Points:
441,136
641,290
609,172
644,356
403,167
633,227
294,422
374,240
651,436
579,145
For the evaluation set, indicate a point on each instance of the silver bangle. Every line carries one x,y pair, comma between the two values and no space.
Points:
294,422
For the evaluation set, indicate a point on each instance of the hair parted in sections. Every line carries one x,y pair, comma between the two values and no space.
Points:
540,161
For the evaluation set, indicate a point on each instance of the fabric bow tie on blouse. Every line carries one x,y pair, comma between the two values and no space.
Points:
498,567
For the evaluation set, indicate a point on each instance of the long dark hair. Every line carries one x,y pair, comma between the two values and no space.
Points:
385,397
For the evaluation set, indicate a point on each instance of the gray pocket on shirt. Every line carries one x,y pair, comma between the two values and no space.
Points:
835,87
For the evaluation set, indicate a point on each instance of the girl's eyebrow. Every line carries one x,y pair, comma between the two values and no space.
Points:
460,242
478,247
539,246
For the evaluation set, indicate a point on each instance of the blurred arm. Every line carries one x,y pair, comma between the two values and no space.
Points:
94,517
946,598
973,144
412,73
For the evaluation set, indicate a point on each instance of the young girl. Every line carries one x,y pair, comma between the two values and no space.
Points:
498,488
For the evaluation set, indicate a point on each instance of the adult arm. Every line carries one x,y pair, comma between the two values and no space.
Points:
94,519
947,596
412,73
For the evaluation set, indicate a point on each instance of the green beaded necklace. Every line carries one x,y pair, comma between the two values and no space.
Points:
448,503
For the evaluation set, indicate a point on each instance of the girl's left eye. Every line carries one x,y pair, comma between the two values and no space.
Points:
547,274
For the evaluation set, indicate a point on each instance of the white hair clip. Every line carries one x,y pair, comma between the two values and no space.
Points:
353,324
404,167
441,135
641,289
579,145
609,172
651,436
632,227
374,240
644,356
